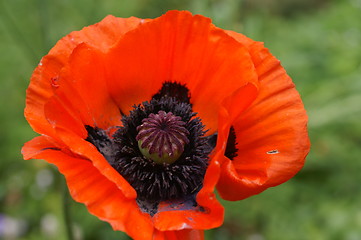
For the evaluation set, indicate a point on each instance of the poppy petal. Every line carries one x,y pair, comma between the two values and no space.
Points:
101,36
238,102
101,196
183,48
66,112
186,234
37,145
82,85
79,146
271,134
61,115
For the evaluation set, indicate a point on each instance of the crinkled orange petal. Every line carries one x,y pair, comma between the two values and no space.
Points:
271,134
80,98
101,36
87,185
82,85
181,48
61,116
238,102
187,234
79,146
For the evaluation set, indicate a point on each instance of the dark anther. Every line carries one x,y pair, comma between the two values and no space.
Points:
105,145
174,90
212,140
231,149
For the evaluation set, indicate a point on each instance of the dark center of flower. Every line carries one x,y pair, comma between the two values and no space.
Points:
160,149
161,137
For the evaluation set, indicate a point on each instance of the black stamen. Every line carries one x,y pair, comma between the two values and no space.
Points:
100,139
156,182
231,149
174,90
212,140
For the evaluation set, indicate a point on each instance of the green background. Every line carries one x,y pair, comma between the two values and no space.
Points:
319,44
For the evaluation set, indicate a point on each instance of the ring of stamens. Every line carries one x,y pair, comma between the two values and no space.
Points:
162,181
129,150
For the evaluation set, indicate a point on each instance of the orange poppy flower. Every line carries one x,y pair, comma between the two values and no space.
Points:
145,118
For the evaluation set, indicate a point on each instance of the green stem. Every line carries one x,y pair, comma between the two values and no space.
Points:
67,216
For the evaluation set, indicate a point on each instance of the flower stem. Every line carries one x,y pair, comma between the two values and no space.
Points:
67,217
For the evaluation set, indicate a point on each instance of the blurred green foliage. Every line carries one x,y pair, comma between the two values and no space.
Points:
319,44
